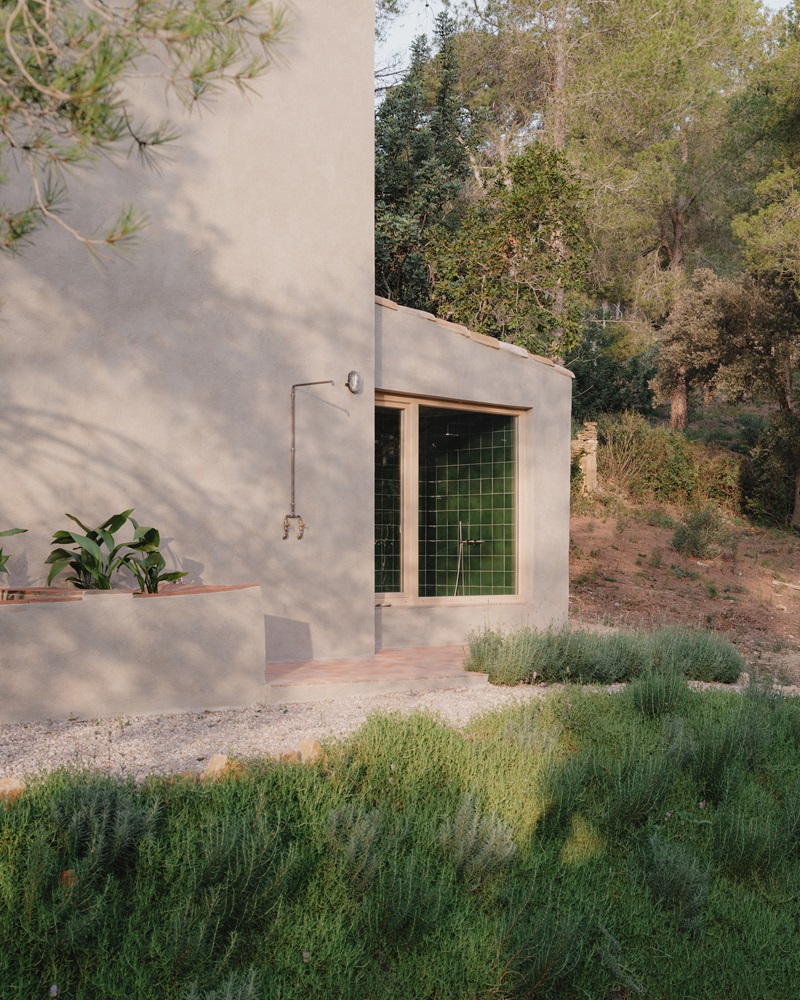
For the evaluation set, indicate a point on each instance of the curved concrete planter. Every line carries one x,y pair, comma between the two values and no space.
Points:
96,654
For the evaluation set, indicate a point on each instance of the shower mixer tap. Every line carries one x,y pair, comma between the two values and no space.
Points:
301,525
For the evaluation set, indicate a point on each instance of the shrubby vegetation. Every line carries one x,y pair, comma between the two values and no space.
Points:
527,656
744,468
559,848
631,215
649,462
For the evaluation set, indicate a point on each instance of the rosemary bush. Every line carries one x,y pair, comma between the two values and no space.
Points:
677,880
658,692
539,853
525,656
480,846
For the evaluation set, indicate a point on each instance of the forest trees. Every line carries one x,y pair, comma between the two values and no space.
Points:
513,268
67,100
421,167
753,322
662,139
638,96
497,246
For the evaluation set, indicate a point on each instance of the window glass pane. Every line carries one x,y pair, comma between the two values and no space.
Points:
387,500
467,501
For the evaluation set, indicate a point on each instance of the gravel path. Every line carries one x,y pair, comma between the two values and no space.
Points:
166,744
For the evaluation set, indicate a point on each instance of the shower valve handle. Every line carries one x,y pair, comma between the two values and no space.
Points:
301,525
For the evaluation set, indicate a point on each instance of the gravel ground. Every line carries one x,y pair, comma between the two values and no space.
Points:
166,744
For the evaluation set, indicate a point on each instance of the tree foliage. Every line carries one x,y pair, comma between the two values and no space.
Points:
513,268
609,376
68,90
499,246
741,338
421,166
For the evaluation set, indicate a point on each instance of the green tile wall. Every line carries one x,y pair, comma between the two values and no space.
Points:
467,476
387,500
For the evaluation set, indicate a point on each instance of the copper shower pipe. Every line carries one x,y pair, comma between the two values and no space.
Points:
301,525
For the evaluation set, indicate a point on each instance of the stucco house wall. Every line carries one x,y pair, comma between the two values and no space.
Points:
420,356
162,380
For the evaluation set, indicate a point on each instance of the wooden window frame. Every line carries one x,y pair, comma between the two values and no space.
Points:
409,508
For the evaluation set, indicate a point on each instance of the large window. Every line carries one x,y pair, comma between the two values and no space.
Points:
445,500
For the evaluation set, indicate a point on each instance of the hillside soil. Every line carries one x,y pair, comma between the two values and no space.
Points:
625,572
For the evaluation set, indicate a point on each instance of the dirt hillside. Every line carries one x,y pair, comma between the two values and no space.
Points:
625,571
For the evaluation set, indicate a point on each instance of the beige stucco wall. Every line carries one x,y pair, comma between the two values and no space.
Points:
161,381
115,654
419,356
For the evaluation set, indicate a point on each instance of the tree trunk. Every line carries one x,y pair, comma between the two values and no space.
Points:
679,403
557,46
795,521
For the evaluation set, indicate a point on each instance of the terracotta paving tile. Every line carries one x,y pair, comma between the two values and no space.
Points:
414,663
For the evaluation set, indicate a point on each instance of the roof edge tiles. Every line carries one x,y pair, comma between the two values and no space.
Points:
479,338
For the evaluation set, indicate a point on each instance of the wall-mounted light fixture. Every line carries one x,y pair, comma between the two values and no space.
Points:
354,382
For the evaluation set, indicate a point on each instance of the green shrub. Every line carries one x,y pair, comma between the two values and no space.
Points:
699,534
767,474
525,656
607,378
726,750
565,786
677,880
700,655
237,986
101,824
407,899
638,787
651,463
508,657
356,834
659,692
479,846
541,947
580,823
748,839
790,817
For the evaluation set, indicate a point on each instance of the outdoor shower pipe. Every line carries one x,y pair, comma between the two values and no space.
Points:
301,525
460,564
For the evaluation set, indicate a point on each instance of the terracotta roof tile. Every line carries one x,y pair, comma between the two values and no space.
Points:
486,341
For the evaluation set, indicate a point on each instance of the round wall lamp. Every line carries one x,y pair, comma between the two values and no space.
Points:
354,381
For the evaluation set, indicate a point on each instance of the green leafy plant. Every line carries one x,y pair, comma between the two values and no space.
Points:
96,556
148,569
92,567
4,534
